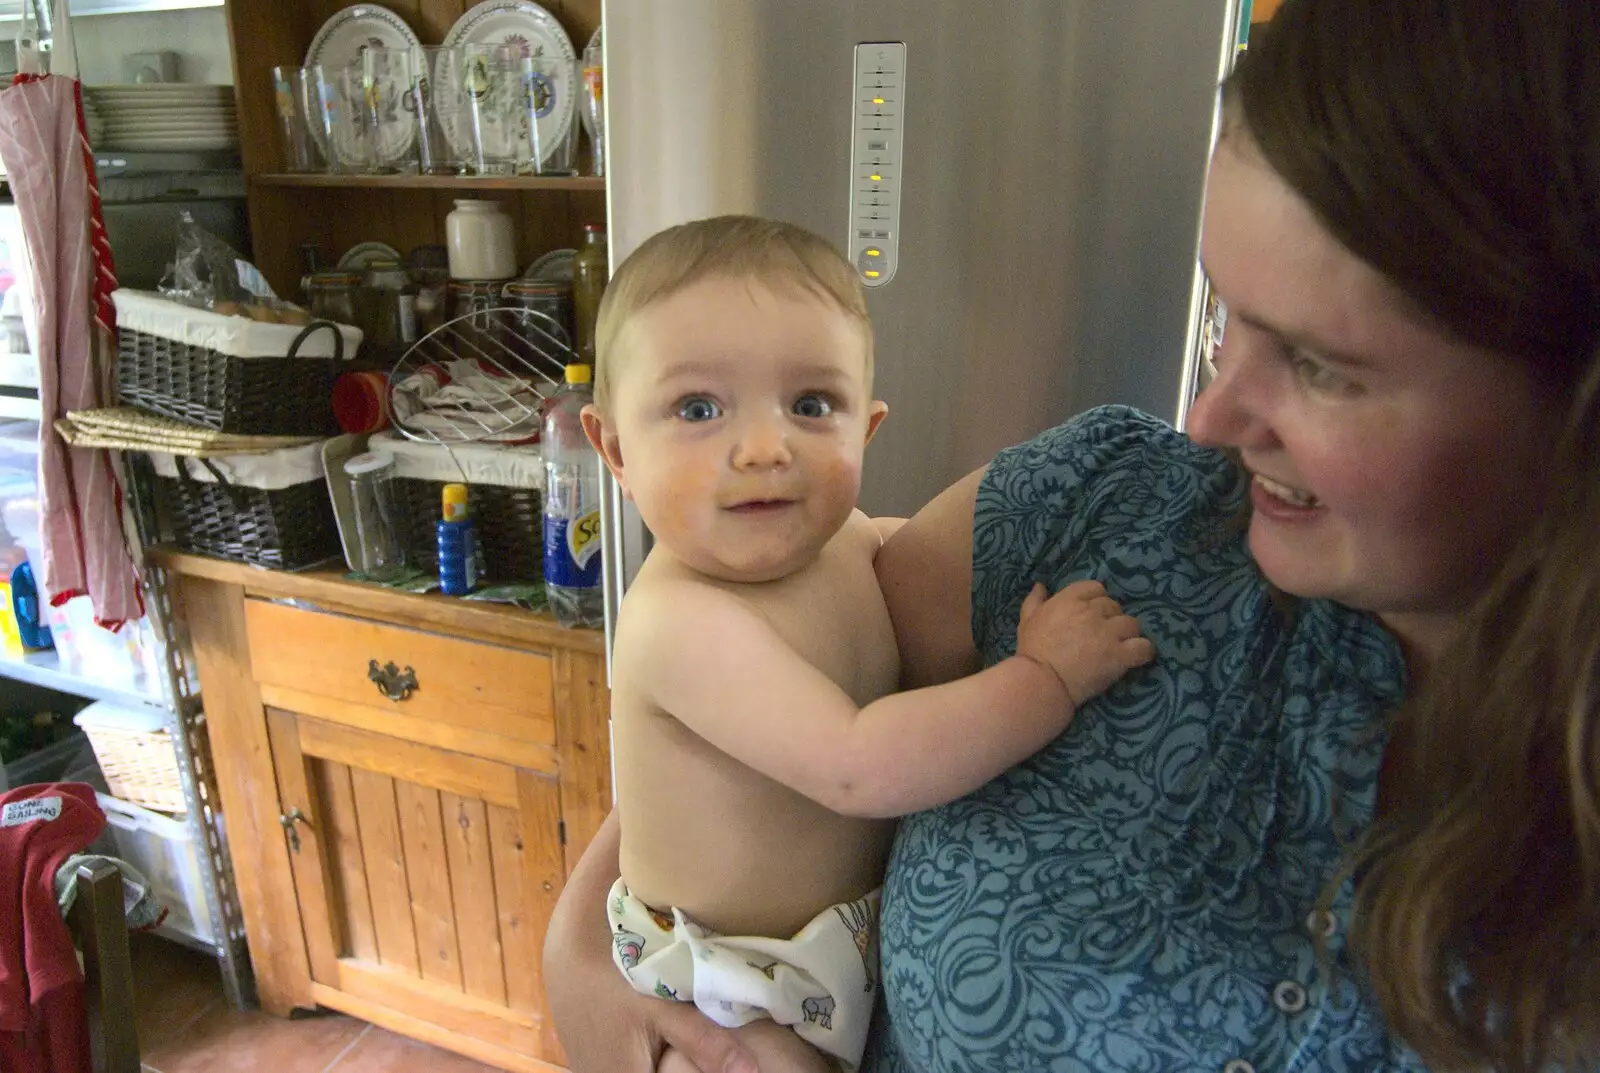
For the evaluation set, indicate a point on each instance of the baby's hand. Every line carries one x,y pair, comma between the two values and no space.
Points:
1082,635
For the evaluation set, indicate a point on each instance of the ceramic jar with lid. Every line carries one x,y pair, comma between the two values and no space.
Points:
481,239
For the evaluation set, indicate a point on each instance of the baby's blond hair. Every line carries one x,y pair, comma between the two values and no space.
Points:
777,254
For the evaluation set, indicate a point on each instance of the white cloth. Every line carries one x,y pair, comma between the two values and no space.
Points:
238,337
822,983
471,399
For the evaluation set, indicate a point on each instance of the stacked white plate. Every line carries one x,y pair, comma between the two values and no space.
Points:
162,116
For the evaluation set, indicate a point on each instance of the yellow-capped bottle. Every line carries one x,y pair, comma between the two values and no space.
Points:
458,543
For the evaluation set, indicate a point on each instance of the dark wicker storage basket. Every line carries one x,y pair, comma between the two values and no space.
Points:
266,396
509,522
283,529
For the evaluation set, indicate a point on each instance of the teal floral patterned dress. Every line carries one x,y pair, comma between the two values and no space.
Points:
1142,894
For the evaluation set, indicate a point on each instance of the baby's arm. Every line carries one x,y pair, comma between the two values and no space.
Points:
752,696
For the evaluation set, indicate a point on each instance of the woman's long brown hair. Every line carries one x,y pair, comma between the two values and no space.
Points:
1455,146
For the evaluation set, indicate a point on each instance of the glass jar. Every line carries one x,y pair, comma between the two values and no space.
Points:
332,296
379,550
544,325
429,268
473,336
387,304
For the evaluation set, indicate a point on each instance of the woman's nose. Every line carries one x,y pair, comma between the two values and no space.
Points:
1235,409
763,443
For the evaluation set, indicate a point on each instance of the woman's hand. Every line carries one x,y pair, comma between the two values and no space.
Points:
606,1026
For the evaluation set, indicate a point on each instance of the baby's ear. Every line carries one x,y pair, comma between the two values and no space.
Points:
603,437
877,410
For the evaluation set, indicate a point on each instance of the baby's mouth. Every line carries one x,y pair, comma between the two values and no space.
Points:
760,506
1294,497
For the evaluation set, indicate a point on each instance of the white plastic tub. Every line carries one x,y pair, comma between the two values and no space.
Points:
163,850
66,761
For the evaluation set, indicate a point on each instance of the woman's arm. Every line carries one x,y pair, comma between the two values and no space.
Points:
604,1024
925,571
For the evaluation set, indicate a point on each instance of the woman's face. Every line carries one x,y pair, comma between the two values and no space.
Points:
1393,463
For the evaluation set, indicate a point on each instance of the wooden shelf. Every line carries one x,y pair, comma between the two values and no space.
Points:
331,590
435,182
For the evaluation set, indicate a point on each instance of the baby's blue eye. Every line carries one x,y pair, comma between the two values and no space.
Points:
699,408
812,406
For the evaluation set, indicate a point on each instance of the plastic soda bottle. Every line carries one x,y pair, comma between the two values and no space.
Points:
572,537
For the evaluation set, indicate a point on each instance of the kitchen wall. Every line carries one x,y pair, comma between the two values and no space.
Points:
198,36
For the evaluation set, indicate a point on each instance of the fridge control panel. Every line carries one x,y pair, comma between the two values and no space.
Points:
875,160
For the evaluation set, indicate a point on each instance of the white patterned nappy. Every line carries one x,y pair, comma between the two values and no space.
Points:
822,982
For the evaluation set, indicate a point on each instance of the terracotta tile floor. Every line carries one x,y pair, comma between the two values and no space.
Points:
185,1026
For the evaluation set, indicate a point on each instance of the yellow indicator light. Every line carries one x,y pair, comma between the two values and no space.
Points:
877,178
872,273
874,253
877,100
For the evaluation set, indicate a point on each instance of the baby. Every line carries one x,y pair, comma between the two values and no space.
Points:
761,750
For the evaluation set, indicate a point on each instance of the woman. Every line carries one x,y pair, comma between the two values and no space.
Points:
1350,818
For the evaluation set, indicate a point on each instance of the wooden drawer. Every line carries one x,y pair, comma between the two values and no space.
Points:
470,697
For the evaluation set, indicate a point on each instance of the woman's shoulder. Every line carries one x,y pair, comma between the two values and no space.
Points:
1106,443
1108,473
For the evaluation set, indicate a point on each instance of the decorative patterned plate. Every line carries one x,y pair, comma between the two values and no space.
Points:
340,42
535,31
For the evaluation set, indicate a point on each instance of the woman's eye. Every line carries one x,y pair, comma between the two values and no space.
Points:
699,408
1314,374
812,406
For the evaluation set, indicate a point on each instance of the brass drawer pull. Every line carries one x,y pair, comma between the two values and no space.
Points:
391,681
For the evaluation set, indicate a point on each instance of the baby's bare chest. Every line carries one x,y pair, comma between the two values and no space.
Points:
835,618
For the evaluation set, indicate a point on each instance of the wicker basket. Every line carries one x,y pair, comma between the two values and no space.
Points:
136,756
507,502
213,508
245,378
509,524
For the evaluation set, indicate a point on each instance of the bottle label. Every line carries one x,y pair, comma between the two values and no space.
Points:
572,551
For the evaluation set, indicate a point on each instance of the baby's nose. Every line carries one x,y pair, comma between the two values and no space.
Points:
762,444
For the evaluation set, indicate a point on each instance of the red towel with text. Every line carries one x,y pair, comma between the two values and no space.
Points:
43,1024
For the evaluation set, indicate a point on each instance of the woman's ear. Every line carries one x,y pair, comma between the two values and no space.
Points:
603,436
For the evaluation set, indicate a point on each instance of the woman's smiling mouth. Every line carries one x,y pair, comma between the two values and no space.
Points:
1282,494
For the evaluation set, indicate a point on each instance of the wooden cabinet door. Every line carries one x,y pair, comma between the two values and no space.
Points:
426,880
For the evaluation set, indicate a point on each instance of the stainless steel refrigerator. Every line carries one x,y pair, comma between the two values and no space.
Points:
1018,182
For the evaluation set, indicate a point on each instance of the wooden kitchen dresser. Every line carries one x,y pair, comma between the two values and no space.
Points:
406,781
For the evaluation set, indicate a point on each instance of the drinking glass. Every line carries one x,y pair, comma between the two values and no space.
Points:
594,104
385,81
350,138
548,118
489,108
435,100
316,100
300,150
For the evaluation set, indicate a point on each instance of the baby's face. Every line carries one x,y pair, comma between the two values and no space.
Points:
739,419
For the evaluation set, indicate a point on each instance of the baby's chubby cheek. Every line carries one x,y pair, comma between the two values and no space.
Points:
678,498
841,475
